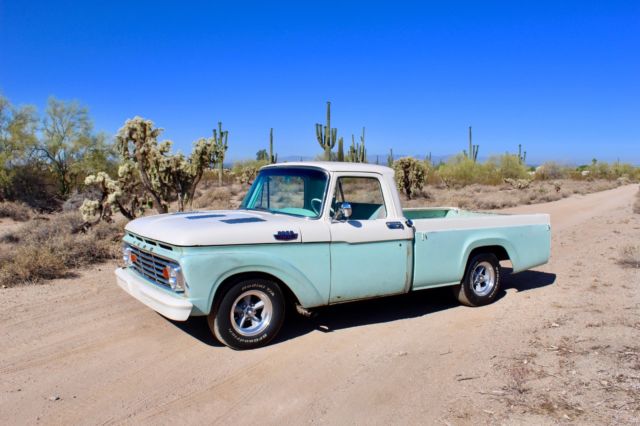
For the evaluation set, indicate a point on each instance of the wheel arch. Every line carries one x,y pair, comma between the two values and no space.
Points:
497,250
234,278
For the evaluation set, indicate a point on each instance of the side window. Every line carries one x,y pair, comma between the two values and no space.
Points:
365,196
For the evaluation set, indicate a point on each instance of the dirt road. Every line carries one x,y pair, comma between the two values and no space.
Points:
561,345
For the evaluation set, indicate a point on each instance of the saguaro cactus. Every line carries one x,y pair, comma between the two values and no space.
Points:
390,158
357,151
326,135
273,158
340,150
427,158
473,149
220,140
522,157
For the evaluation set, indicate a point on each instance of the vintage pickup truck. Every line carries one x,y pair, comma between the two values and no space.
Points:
311,234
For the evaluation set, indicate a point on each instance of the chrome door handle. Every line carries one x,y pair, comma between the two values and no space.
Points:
395,225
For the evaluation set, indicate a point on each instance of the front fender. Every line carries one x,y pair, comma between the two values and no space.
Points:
206,272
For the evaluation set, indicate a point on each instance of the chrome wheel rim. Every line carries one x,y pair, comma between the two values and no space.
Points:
483,279
251,313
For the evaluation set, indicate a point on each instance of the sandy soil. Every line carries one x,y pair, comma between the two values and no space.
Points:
560,346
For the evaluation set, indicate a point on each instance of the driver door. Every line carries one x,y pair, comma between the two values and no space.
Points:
370,251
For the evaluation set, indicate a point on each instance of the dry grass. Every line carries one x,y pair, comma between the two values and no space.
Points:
220,198
636,205
51,247
630,256
490,197
16,211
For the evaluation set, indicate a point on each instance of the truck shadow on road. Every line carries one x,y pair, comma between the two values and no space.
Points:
375,311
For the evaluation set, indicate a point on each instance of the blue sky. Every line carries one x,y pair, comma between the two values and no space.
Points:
562,78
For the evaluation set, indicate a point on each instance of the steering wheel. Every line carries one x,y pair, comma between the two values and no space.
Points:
316,209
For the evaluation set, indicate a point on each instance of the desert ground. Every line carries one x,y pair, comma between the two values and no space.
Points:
560,346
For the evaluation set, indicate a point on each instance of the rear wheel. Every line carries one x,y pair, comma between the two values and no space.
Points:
481,281
249,315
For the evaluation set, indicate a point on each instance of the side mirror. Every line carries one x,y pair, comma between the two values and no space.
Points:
345,211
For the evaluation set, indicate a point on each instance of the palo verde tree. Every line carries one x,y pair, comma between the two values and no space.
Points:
326,135
67,140
17,136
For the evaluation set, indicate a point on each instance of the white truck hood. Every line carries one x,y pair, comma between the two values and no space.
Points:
219,227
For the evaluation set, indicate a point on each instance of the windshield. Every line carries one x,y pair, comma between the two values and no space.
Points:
288,190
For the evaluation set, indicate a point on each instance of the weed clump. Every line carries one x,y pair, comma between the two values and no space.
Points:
50,248
630,256
16,211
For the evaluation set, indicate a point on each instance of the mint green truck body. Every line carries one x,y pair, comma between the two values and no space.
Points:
316,257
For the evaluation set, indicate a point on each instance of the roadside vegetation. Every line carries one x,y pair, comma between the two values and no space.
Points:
73,188
53,246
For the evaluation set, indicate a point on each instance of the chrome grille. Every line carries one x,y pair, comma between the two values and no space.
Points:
150,266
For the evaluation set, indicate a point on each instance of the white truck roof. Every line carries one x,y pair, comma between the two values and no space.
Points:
338,166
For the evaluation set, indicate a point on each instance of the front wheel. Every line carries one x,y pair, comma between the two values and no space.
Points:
249,315
481,281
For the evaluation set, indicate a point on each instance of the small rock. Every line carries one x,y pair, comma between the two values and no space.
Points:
54,398
604,383
401,353
555,324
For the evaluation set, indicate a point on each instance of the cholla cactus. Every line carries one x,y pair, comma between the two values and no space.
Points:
410,175
183,174
163,175
137,142
123,195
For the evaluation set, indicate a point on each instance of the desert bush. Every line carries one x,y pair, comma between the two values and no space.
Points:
410,175
518,183
16,211
49,249
636,205
462,171
246,171
630,256
509,167
551,170
217,198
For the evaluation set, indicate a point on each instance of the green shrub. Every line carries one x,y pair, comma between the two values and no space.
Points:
462,171
246,171
509,167
410,175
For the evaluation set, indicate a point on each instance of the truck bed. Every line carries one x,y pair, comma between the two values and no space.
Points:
445,237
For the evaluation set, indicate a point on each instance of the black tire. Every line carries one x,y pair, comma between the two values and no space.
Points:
242,300
482,293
